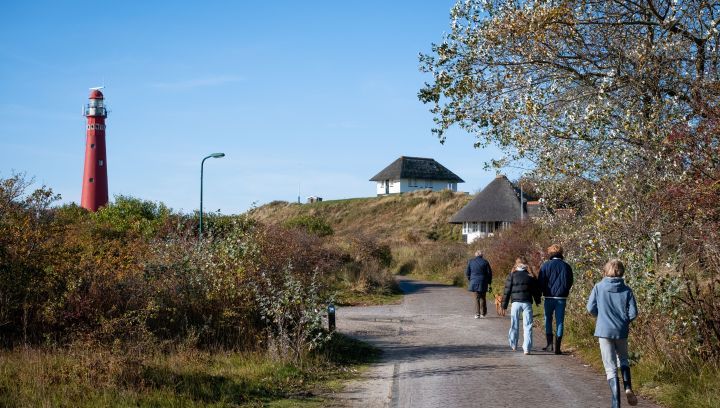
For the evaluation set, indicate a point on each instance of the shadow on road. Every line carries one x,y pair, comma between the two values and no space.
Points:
404,354
409,287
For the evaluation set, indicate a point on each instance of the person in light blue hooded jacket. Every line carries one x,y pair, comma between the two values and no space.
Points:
613,303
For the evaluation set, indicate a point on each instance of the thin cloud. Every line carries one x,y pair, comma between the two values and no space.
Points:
198,82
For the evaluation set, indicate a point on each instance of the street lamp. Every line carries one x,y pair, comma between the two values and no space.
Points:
214,156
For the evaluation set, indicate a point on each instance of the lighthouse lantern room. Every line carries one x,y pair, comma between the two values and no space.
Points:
95,182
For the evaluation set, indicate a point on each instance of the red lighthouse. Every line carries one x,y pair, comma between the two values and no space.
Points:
95,181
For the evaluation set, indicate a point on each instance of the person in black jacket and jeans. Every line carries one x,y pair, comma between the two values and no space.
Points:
522,287
479,275
556,279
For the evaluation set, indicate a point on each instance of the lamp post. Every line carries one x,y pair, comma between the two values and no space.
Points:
214,156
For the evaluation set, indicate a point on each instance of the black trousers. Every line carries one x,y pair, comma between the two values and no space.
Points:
481,305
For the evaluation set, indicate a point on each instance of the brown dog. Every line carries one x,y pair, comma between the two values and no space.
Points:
498,305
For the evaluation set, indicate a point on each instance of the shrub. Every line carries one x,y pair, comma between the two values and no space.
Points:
520,239
311,224
134,273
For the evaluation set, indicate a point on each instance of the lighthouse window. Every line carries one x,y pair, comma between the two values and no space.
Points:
92,145
100,162
92,179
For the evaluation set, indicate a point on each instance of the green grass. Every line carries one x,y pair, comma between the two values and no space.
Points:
91,377
350,298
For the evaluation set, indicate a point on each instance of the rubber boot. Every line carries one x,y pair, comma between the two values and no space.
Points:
614,384
627,382
558,341
549,338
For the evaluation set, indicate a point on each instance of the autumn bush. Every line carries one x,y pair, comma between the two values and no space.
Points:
134,273
526,239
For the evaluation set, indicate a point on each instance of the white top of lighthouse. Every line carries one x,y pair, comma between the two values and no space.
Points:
96,106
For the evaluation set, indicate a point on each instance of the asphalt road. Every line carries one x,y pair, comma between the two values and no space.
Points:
436,354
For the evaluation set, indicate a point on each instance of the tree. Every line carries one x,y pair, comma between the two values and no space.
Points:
582,88
616,103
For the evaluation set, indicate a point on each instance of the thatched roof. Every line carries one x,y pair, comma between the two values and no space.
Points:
498,201
417,168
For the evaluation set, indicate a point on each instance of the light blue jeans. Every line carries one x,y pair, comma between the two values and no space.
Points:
526,310
613,351
556,306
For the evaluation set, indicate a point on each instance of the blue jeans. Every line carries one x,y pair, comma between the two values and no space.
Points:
527,314
612,351
556,306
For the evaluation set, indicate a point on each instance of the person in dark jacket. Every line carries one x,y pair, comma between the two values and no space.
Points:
556,279
613,303
522,287
479,275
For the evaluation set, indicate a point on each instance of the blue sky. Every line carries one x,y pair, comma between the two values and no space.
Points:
316,93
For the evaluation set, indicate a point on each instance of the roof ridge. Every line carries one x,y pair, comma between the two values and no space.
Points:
415,157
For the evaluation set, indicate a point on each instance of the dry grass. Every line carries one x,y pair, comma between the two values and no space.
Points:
421,215
414,226
87,376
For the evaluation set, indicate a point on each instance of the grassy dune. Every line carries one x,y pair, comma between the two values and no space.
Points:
414,226
414,217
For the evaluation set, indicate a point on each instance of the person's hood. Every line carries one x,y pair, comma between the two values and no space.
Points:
613,284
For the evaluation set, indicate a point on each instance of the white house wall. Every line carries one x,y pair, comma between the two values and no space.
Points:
395,187
408,185
482,229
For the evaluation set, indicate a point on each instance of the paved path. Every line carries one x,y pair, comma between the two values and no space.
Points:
437,355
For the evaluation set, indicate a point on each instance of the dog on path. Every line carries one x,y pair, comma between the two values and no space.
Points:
498,305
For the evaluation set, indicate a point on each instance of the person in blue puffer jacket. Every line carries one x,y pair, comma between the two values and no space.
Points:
555,279
613,303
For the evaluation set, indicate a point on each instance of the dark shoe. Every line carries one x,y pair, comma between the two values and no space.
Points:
549,346
558,341
614,384
627,382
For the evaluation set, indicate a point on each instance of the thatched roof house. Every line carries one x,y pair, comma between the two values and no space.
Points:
415,173
495,207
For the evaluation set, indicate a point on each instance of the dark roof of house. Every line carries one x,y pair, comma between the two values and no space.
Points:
418,168
498,201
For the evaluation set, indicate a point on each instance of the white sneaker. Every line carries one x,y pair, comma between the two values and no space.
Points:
477,316
482,316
